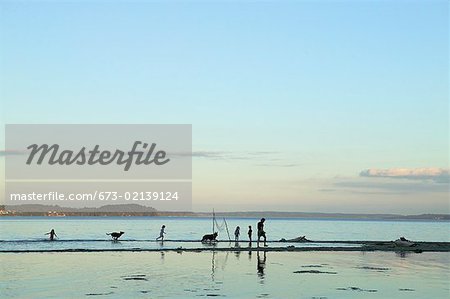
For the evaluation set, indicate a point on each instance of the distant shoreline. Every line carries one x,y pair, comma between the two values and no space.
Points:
363,217
130,210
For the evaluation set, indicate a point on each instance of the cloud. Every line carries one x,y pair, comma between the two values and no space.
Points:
385,187
228,155
396,181
438,175
256,158
215,155
277,165
10,153
327,190
209,154
259,158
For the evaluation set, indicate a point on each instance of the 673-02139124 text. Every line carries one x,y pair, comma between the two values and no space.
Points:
96,196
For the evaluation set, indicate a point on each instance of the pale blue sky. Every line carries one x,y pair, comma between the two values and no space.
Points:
309,93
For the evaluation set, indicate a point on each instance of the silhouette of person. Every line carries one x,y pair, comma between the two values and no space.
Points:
250,233
161,233
237,232
52,234
261,232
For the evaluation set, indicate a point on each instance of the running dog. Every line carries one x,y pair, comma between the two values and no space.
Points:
115,235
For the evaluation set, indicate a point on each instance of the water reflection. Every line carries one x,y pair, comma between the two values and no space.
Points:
217,260
116,243
225,260
210,245
261,265
402,254
237,253
418,276
161,244
213,265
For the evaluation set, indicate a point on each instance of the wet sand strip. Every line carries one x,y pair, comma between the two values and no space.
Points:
363,246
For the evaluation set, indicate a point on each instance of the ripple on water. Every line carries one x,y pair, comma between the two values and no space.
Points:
135,277
356,289
99,294
314,272
373,268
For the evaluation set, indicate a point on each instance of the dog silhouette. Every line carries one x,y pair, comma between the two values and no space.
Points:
209,238
115,235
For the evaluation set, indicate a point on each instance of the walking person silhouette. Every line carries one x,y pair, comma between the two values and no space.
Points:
261,232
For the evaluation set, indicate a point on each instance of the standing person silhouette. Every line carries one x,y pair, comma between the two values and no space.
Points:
52,234
261,232
250,233
237,232
161,233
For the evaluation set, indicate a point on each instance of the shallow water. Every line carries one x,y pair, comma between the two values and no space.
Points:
27,233
225,274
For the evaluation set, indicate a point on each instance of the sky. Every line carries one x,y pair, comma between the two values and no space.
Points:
328,106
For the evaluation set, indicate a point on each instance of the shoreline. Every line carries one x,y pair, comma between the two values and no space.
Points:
366,246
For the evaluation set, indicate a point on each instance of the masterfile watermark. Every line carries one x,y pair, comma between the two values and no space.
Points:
52,155
123,152
114,164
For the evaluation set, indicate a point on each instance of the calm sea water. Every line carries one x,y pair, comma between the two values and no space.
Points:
225,274
233,274
27,233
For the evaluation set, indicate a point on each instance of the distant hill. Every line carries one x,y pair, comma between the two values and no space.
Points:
139,210
120,209
55,210
349,216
